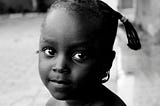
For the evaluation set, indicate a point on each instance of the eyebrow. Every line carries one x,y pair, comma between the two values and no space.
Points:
43,40
78,44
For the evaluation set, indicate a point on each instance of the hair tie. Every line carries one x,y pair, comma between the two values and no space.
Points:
123,19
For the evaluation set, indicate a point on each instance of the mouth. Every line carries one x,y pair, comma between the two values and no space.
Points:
60,83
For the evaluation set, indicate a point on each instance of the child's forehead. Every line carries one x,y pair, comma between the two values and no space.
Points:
60,19
63,14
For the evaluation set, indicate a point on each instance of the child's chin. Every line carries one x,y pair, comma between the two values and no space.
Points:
60,92
60,96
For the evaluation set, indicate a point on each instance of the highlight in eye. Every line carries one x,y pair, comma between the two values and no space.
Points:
80,56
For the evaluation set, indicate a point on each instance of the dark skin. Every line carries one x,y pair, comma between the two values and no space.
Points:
70,65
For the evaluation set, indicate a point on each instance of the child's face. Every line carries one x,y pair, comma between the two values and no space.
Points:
68,61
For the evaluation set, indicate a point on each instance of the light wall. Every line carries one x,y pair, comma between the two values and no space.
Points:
112,3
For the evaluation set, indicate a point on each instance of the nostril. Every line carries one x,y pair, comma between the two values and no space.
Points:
61,70
54,69
61,65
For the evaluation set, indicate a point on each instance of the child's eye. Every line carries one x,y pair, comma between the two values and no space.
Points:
80,56
49,51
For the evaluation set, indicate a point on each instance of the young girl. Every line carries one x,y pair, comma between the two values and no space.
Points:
76,52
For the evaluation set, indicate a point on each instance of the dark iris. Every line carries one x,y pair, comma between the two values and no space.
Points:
49,51
80,56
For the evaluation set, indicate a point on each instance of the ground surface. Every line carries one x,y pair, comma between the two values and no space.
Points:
20,84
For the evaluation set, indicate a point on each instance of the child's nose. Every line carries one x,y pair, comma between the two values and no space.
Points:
61,65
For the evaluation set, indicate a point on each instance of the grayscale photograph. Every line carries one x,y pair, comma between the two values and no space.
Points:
79,53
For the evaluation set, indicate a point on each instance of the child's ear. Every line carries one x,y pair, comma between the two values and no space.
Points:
107,64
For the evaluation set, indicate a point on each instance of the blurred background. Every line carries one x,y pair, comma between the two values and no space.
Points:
135,75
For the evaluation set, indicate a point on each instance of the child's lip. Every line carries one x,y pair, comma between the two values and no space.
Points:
60,84
60,81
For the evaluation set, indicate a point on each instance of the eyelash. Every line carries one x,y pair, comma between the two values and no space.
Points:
78,55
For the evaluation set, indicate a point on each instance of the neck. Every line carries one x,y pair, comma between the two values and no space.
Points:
87,98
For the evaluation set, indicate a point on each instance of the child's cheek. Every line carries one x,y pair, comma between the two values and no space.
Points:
83,73
44,69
